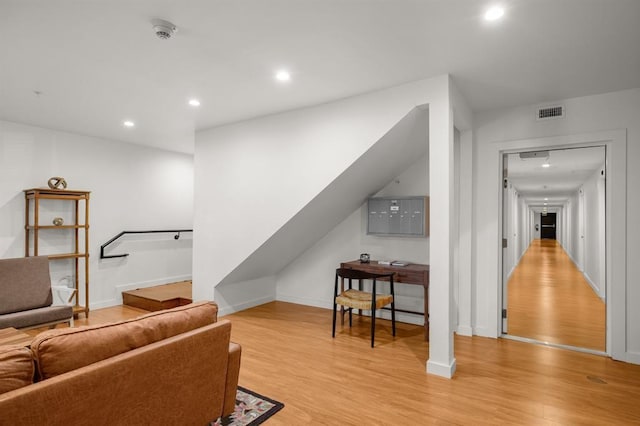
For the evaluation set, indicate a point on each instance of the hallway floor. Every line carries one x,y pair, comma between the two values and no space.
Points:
550,300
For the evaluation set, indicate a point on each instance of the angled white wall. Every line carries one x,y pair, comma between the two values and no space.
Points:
390,156
513,128
132,188
253,177
308,280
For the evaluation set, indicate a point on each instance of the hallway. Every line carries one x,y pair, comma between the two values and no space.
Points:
550,300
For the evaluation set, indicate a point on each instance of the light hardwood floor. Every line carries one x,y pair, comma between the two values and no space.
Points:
550,300
289,355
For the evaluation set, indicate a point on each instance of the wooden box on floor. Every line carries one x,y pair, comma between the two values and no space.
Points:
159,297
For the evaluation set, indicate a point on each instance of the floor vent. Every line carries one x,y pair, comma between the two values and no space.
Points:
550,112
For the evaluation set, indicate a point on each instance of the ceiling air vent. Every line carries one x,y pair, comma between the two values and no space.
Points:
550,112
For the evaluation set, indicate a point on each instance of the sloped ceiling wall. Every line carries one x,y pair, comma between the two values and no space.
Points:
386,159
267,188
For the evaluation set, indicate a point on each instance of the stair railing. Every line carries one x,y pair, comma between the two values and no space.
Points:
110,256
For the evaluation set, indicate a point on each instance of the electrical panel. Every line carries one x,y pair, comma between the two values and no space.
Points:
398,216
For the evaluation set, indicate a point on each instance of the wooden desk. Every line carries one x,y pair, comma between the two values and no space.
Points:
414,273
11,336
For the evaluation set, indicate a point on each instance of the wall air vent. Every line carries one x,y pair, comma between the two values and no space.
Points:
550,112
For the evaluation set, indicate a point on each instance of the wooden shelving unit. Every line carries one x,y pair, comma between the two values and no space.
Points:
79,229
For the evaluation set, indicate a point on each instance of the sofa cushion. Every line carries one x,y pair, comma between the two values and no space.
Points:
36,316
61,350
16,367
24,284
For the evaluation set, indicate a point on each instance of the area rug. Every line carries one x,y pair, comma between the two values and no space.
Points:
251,409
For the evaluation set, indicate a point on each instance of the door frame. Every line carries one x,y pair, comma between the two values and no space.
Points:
504,238
615,142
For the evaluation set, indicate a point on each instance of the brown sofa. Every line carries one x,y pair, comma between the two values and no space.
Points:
172,367
25,294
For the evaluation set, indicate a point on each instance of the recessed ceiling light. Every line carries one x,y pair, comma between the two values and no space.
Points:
545,204
194,102
546,165
128,123
283,75
546,199
494,13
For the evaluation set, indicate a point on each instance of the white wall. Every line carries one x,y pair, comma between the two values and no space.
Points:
252,177
308,280
537,222
573,239
237,296
495,130
132,188
594,247
516,221
262,172
559,225
584,216
581,222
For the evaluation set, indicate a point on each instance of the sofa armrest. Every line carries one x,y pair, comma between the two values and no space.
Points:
233,371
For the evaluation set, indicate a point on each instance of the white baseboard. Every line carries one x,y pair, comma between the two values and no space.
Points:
104,304
632,358
464,330
133,286
442,370
384,314
594,287
575,263
401,317
325,304
485,332
515,265
230,309
513,268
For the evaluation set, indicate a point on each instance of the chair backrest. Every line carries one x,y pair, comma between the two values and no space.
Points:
24,284
360,275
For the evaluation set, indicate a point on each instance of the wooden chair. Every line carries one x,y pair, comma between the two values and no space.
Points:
362,300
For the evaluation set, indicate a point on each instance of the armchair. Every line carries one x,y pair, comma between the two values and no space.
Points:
25,295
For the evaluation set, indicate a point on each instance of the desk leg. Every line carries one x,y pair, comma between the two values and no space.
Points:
360,289
426,312
341,307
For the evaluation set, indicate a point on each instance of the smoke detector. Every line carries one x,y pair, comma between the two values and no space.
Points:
164,29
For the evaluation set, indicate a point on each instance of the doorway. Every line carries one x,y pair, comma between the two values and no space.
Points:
553,289
548,226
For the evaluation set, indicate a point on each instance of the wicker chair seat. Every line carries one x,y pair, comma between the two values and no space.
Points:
362,300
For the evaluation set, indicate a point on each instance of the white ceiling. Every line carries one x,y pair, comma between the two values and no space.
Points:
568,170
97,62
